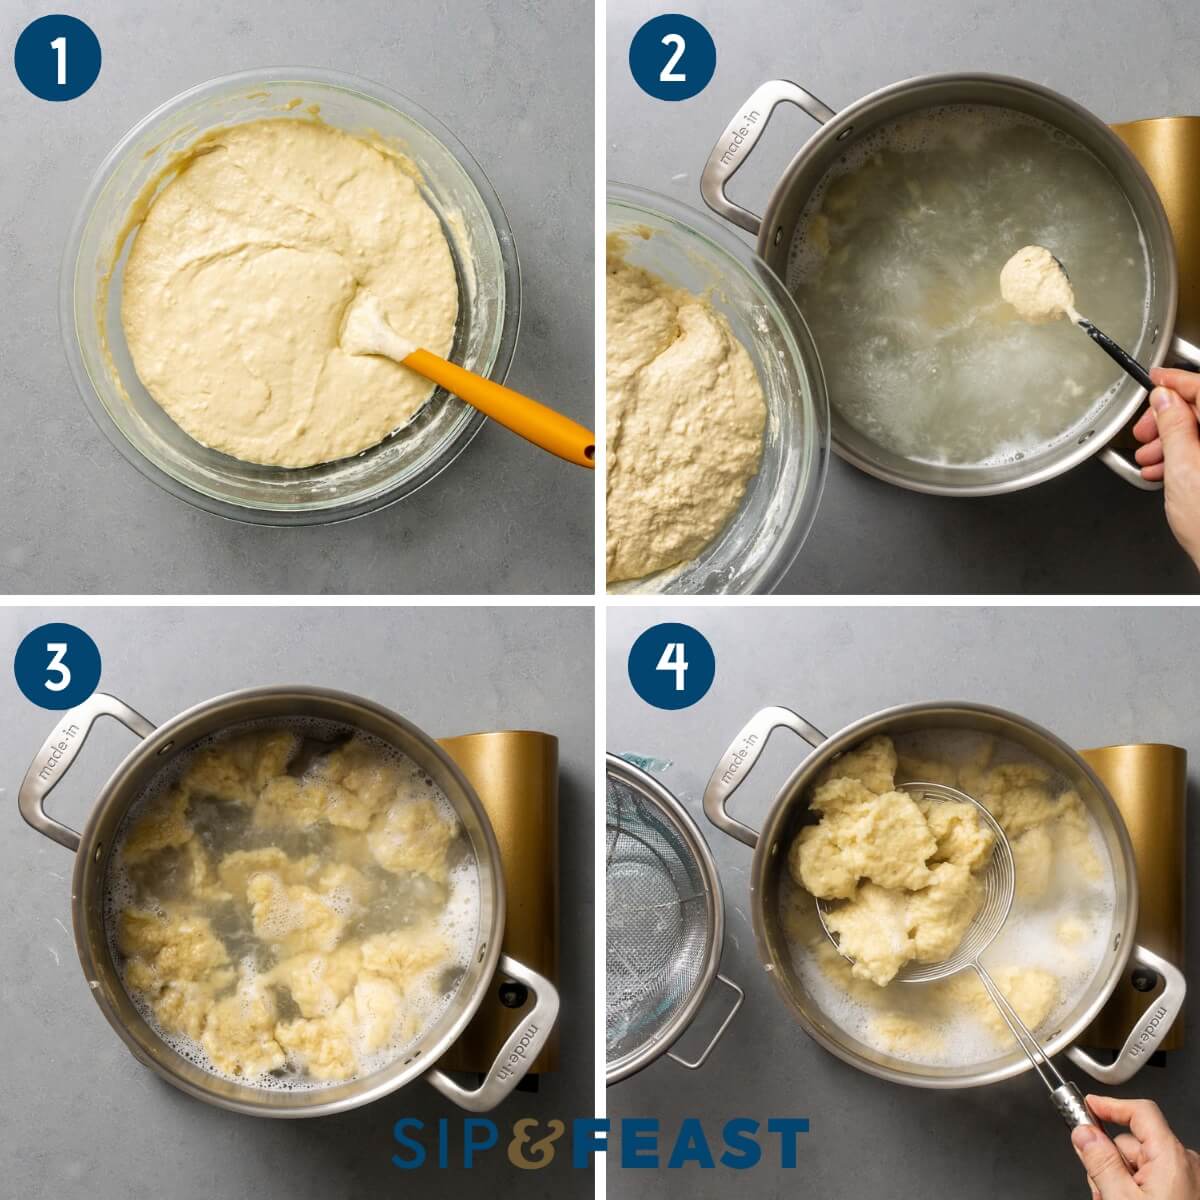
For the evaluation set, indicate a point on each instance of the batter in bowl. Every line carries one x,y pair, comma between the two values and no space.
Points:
240,277
685,420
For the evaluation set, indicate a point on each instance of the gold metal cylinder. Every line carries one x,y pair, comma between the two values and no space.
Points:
1149,784
515,773
1169,149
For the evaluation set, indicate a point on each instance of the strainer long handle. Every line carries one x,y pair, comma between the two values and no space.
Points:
1067,1098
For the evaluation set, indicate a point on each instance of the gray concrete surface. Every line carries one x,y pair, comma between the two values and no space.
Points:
1087,532
81,1118
1094,677
514,83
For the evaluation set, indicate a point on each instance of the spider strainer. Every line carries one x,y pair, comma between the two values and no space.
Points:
665,922
999,880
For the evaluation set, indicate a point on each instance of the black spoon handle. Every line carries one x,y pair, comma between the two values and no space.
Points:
1121,357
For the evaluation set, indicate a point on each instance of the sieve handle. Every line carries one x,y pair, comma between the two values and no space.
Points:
716,1037
1126,468
741,135
519,1051
738,761
60,750
1154,1023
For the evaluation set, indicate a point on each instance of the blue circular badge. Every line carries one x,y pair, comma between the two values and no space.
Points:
57,57
57,666
671,665
672,57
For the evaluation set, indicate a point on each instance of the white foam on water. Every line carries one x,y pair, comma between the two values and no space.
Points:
896,267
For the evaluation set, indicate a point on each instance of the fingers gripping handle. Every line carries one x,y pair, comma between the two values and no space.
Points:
1155,1023
60,750
519,1051
1072,1107
738,761
1126,468
741,135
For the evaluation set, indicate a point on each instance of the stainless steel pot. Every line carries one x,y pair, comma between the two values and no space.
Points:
776,230
770,855
93,848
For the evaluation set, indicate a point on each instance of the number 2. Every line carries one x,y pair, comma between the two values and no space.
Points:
669,75
59,46
672,660
56,664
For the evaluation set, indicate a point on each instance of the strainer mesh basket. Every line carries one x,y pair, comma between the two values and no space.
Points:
659,931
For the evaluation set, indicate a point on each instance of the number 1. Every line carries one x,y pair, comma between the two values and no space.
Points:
56,664
672,660
668,74
59,46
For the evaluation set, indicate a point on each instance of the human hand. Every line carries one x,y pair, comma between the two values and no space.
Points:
1170,451
1163,1169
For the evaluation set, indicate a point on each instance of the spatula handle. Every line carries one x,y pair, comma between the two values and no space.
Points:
523,415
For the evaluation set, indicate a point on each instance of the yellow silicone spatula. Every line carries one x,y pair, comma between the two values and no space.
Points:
366,331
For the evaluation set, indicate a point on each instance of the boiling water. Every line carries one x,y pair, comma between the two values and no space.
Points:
1029,938
896,267
400,900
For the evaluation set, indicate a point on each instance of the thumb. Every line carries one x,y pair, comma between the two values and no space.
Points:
1176,426
1103,1163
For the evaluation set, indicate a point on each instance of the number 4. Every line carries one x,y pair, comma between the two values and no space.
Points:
672,660
669,75
56,664
59,46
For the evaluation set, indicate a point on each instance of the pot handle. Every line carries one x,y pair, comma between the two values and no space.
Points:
59,751
696,1064
741,136
1114,460
738,761
1155,1023
517,1054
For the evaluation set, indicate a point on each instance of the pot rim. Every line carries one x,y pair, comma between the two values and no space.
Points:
1111,424
782,804
160,742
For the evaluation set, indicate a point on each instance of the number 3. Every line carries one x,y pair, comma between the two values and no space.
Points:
56,664
672,660
669,75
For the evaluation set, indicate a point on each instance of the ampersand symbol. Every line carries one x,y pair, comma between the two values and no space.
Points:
540,1153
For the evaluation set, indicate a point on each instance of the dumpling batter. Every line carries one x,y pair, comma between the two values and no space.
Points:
685,421
240,277
1035,284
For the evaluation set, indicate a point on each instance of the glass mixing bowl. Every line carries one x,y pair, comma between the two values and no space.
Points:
90,300
691,251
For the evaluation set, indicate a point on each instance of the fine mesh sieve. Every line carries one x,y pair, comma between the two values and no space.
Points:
665,922
999,880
